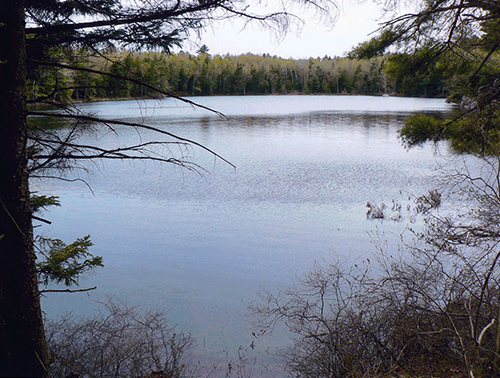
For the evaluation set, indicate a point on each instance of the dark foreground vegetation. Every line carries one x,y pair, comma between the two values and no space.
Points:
119,341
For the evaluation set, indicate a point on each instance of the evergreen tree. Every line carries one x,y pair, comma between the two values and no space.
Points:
453,43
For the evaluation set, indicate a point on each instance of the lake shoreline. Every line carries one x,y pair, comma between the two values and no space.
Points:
78,101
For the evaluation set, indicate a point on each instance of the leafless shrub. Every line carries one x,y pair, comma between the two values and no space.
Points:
120,341
421,318
429,201
333,338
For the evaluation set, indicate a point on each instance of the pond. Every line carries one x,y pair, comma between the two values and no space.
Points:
203,243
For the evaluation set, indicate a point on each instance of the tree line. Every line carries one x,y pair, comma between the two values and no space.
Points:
205,74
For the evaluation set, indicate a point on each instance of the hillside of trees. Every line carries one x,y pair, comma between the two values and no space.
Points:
206,74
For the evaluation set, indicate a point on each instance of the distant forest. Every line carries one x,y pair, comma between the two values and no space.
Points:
204,74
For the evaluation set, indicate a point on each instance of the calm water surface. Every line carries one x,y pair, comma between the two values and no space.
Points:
203,244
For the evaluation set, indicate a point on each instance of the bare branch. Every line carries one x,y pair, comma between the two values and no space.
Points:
67,290
88,118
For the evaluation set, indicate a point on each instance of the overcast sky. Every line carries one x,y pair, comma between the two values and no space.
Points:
354,24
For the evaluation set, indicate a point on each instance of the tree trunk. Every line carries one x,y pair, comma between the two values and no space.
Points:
23,350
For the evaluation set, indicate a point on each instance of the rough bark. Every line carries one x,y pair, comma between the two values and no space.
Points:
23,350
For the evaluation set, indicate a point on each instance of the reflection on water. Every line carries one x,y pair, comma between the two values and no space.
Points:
203,244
